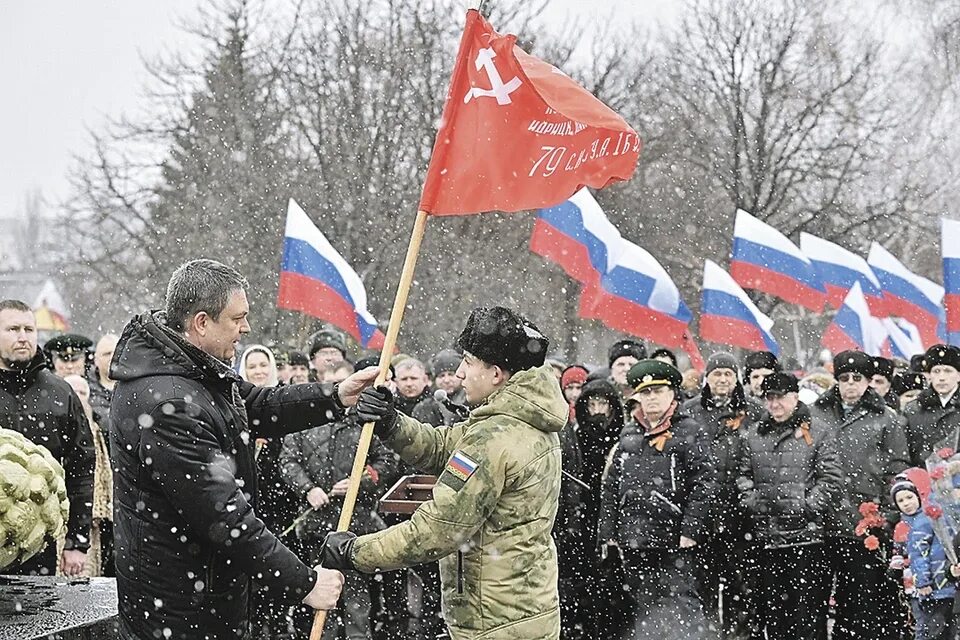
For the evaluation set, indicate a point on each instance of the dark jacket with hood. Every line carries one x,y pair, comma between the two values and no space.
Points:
790,478
652,497
929,422
725,424
872,449
44,408
595,437
188,539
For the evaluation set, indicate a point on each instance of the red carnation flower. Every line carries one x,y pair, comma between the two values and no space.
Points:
933,511
868,509
901,531
945,453
871,542
937,474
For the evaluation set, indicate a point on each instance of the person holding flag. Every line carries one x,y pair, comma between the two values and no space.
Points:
495,502
516,134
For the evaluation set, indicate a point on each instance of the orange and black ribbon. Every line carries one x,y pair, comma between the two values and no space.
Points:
803,431
734,423
660,440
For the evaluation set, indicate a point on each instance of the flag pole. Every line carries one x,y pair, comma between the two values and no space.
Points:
390,341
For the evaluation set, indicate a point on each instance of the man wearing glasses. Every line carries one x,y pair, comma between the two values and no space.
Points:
872,446
789,481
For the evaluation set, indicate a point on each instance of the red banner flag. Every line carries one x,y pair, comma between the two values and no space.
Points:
517,133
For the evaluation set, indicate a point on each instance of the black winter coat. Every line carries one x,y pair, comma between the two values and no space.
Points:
651,497
725,426
872,448
322,456
929,422
44,408
787,485
595,438
188,538
431,411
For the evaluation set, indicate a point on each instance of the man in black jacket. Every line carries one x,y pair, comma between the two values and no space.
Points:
188,540
724,413
44,408
872,449
790,479
935,415
655,503
316,464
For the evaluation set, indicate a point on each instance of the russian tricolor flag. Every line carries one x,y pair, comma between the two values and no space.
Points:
854,327
623,285
904,337
906,294
950,240
316,280
839,269
728,315
765,260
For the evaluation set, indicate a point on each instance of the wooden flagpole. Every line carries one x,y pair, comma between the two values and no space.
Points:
389,343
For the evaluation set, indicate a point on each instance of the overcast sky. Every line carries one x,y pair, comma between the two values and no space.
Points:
67,67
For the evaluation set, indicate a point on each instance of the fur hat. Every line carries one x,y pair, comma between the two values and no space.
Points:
501,337
941,354
908,381
760,360
884,367
328,338
780,383
853,362
626,347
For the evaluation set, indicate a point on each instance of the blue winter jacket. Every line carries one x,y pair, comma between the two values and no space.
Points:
928,560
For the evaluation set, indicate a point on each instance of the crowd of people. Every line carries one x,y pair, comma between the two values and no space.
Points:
727,503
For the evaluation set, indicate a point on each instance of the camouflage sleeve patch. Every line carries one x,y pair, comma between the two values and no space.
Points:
460,468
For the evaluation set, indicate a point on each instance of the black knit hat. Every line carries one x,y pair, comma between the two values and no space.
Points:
853,362
941,354
501,337
722,360
760,360
780,383
626,347
903,483
908,381
445,360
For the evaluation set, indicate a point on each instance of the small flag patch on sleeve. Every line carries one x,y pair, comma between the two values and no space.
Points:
458,470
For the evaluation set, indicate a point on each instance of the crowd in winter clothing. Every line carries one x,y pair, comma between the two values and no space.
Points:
743,501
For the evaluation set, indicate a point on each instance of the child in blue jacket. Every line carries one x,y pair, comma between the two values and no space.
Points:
934,593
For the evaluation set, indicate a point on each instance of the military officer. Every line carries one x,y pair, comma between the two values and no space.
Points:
495,502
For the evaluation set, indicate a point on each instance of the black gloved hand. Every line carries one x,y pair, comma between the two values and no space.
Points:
376,405
337,549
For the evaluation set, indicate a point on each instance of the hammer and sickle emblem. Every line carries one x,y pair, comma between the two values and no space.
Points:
498,89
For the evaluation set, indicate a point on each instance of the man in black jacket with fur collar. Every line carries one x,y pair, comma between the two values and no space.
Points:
189,544
872,448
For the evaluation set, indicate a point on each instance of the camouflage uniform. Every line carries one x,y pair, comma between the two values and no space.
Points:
492,511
